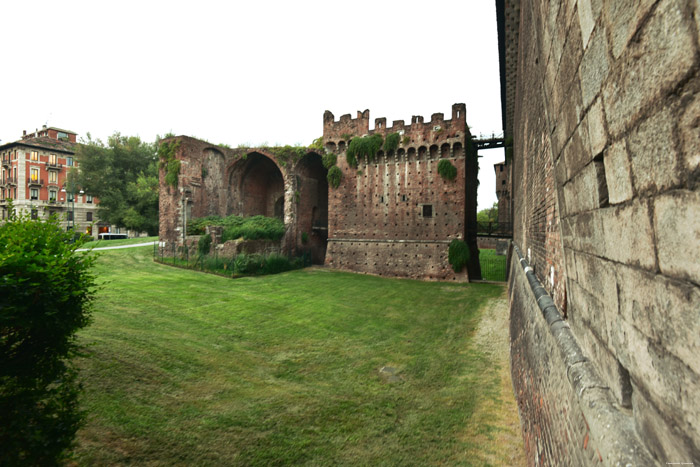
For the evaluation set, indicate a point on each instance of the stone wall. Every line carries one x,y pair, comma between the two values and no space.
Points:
395,215
607,214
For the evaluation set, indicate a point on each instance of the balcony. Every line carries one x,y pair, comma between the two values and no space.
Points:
6,161
32,181
53,165
10,181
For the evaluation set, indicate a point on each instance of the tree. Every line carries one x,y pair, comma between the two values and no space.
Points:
488,214
46,293
124,176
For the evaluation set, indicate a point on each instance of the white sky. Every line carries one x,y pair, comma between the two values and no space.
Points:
246,72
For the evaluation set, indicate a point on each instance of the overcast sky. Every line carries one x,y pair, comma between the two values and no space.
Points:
246,73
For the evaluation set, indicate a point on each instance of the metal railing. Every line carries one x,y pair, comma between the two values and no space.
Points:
494,229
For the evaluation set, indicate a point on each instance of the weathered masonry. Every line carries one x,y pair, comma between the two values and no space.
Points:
601,102
394,215
273,182
391,215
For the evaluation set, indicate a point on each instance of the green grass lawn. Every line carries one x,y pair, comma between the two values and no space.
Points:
493,266
128,241
188,368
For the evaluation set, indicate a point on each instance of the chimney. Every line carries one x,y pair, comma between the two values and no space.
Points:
24,132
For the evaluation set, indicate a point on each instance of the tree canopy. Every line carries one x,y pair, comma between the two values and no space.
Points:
488,214
123,174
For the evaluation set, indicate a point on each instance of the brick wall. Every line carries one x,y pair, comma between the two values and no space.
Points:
396,215
607,211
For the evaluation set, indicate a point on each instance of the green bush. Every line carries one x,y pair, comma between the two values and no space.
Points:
458,255
46,293
329,160
204,244
248,264
335,175
392,142
447,170
367,146
274,264
249,228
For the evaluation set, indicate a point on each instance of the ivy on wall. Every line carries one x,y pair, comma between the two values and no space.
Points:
447,170
392,142
458,255
335,175
168,162
367,146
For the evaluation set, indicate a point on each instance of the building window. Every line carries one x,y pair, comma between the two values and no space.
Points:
35,214
427,210
500,168
34,156
70,196
34,192
69,161
53,177
34,175
503,182
70,215
89,198
88,216
52,196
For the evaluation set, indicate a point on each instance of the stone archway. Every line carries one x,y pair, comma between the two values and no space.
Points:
256,187
312,207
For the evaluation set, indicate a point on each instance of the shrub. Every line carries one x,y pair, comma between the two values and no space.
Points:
46,293
204,244
335,175
458,255
248,264
367,146
447,170
274,264
392,142
329,160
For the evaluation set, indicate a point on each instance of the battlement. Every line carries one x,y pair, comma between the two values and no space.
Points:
437,129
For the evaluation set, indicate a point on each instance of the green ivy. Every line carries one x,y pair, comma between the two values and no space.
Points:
329,160
447,170
367,146
335,175
458,255
392,142
168,162
287,154
304,238
317,144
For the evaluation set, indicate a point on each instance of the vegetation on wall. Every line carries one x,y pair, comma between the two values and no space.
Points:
329,160
287,154
317,144
304,238
335,175
458,255
166,154
46,295
248,228
367,146
447,170
392,142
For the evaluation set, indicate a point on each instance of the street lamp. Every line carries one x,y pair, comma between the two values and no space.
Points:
72,205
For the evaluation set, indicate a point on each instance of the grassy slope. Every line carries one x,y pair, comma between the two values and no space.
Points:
188,368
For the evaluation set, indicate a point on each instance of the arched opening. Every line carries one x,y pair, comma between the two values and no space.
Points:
433,152
256,187
457,149
330,146
422,152
445,150
312,207
411,155
341,146
401,154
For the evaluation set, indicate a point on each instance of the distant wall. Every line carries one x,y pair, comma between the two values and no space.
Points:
607,214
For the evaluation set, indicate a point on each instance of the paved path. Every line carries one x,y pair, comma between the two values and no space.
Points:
116,247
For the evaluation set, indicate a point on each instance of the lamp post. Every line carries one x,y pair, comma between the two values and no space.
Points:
72,205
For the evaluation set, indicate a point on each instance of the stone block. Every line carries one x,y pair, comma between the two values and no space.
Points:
653,156
663,440
617,173
665,310
577,153
649,66
627,233
594,66
587,190
677,226
622,18
597,276
597,134
586,21
689,127
587,312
